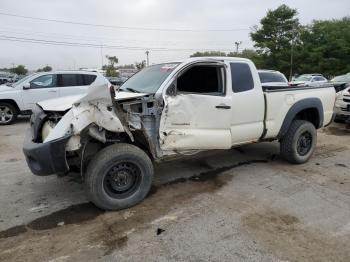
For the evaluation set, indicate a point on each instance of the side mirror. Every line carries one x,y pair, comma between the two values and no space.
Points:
26,86
171,91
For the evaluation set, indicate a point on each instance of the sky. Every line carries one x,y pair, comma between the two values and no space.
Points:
170,29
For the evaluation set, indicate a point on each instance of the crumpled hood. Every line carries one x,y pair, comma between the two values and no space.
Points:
94,93
59,104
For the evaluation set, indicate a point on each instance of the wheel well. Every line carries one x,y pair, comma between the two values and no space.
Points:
11,102
311,115
142,142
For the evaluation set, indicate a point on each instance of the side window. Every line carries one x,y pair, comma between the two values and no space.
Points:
44,81
242,79
88,79
70,80
202,79
319,78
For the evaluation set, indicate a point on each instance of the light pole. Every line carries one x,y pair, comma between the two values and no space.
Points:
101,53
237,46
147,54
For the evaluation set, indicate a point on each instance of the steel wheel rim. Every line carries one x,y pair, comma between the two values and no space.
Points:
6,114
304,143
122,180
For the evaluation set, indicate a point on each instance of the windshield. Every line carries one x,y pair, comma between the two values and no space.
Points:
21,81
149,79
303,78
268,77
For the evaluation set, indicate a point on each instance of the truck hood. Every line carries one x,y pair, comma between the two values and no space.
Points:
95,93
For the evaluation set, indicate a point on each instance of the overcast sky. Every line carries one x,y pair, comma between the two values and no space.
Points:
194,21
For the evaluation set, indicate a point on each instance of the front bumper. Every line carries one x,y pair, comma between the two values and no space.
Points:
48,158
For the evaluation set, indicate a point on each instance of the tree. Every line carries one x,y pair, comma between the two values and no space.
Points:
19,70
325,48
249,54
208,53
279,30
111,70
46,68
140,65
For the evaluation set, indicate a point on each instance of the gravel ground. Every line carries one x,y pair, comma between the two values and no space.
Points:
244,204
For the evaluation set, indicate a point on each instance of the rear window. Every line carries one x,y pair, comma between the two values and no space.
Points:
268,77
88,79
69,80
66,80
242,79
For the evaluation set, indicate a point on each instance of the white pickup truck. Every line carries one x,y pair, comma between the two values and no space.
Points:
115,136
21,97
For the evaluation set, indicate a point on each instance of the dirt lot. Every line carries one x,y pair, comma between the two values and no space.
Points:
239,205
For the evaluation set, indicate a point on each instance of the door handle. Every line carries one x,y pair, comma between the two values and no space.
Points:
223,107
52,91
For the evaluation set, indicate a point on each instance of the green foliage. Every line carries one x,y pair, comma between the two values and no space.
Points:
274,37
19,70
46,68
249,54
325,48
208,53
140,65
111,70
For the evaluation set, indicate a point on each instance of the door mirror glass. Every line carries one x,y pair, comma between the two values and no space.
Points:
26,86
171,91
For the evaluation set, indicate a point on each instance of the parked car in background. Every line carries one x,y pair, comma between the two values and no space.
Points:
342,105
21,97
4,80
314,80
271,78
341,82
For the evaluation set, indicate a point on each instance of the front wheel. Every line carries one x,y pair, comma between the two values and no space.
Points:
118,177
8,114
299,143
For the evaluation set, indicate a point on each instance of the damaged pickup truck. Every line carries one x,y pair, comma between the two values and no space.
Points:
114,136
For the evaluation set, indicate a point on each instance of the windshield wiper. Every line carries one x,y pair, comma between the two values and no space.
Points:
132,90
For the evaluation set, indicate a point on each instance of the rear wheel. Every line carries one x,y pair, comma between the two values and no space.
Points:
118,177
8,114
298,145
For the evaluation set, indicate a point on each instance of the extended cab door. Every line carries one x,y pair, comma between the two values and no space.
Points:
248,106
41,88
197,110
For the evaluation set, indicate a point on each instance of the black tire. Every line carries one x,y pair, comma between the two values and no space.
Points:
299,143
118,177
8,114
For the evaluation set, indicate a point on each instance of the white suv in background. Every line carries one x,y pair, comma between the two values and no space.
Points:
20,98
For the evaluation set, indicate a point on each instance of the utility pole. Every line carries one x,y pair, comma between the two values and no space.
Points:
237,44
291,60
147,54
101,53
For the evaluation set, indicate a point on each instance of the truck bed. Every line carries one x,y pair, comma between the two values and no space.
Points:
279,100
